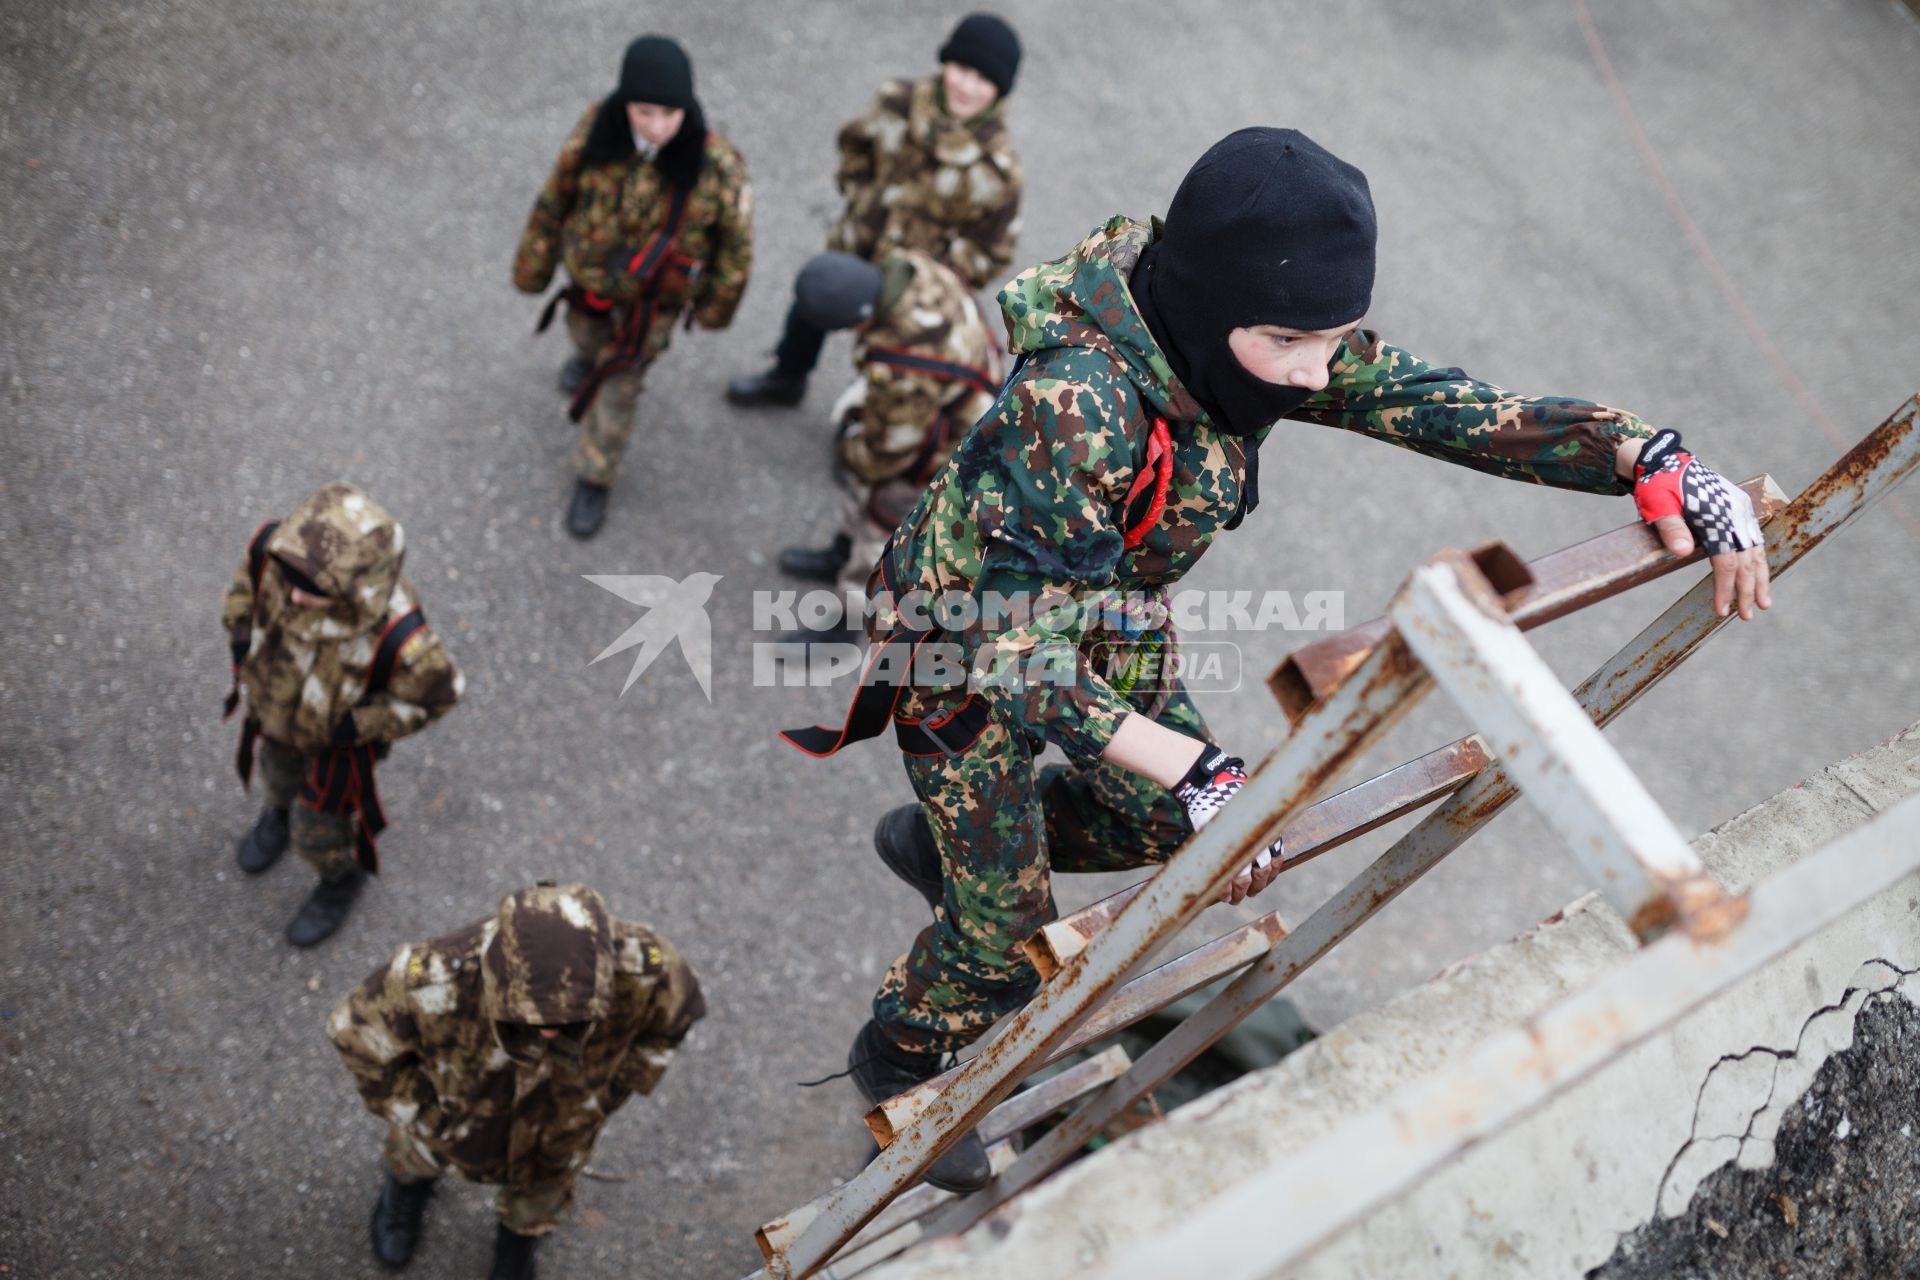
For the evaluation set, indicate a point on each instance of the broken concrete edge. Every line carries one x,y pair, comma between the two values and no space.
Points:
1555,1193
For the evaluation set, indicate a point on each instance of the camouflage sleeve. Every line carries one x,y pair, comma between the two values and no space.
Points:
724,277
236,609
539,251
424,686
856,146
857,229
1382,391
1057,464
677,1004
982,250
900,409
375,1031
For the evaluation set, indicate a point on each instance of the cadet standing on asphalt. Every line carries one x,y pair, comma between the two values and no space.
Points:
1153,365
499,1051
930,166
336,663
653,216
928,371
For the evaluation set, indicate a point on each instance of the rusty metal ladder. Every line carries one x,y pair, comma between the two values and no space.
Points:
1456,623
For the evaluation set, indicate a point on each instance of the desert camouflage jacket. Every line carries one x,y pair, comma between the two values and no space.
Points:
597,218
916,178
441,1039
914,413
1033,505
305,670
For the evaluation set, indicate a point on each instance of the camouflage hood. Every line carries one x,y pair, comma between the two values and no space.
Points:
549,958
1082,300
351,549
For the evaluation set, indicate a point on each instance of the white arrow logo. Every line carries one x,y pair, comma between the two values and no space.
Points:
674,611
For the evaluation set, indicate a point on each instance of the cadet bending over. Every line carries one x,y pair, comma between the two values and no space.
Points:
929,166
928,369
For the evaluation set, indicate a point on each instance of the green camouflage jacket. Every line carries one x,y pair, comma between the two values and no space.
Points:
304,669
911,419
916,178
1030,507
440,1040
588,216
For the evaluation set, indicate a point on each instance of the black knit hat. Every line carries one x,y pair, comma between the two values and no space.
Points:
1268,228
988,45
655,70
837,290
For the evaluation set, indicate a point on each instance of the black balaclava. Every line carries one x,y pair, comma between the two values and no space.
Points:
988,45
1267,228
656,70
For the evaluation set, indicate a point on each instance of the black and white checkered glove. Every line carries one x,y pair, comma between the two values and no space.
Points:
1669,481
1214,779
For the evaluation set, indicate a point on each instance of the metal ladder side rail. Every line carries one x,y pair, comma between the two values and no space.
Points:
1873,468
1385,687
1019,1112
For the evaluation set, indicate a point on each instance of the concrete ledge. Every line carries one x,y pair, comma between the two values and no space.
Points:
1554,1194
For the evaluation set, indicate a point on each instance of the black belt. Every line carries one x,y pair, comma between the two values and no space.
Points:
874,702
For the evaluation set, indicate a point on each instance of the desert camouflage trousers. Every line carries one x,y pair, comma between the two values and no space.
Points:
608,423
1004,827
325,840
529,1211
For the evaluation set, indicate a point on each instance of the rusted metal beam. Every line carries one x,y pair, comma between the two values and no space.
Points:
1569,579
1386,686
1631,851
1867,473
897,1227
1386,1151
1028,1107
1343,816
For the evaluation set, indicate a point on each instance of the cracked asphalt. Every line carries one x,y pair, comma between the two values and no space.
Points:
251,248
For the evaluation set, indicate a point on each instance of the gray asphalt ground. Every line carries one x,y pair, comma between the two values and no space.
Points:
251,248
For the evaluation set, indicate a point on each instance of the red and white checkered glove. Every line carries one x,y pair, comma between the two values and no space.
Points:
1211,781
1669,481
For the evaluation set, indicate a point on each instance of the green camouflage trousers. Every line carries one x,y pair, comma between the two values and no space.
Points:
528,1211
608,423
1004,827
325,840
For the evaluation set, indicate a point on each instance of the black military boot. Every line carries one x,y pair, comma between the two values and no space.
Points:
512,1255
818,564
396,1220
775,386
325,909
904,841
880,1069
265,843
588,510
573,373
